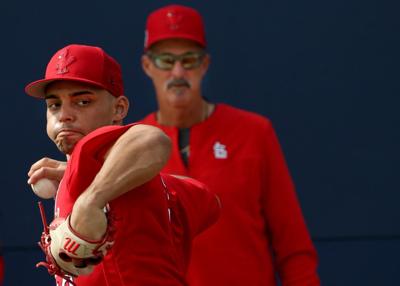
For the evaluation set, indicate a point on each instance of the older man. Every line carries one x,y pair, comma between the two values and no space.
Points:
261,233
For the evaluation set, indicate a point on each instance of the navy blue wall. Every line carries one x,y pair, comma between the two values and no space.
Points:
325,72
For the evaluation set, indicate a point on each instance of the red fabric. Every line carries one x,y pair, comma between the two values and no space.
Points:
261,230
80,63
172,22
155,223
1,269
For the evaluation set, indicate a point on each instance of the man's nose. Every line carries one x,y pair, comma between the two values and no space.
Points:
178,70
66,113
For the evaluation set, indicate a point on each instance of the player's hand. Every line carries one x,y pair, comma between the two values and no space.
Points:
68,252
46,168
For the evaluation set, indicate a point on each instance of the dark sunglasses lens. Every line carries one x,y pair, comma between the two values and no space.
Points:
164,61
191,61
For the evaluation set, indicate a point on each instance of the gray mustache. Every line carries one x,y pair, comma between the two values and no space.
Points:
177,82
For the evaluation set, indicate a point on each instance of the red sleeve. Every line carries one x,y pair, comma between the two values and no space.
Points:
296,258
88,156
202,208
1,269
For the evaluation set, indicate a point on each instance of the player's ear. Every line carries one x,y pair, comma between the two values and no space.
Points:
146,65
121,107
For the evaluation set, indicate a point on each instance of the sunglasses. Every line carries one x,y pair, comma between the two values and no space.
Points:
166,61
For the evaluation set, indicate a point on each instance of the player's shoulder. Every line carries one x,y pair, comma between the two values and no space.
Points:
182,182
190,190
243,118
101,136
202,207
149,119
108,129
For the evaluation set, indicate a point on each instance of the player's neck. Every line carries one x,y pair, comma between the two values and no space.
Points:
185,117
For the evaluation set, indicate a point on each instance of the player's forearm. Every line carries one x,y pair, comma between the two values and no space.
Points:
136,157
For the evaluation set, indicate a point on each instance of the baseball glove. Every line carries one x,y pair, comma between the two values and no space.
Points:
68,254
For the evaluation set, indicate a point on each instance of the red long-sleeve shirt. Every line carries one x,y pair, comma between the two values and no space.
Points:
261,231
154,223
1,270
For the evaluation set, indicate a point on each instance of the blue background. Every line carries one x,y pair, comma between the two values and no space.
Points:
325,72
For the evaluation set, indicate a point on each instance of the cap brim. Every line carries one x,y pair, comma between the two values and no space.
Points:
176,36
37,88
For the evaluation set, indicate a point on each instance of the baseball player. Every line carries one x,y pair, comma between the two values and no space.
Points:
261,234
118,221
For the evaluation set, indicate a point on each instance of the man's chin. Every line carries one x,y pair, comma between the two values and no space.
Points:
66,150
178,99
65,147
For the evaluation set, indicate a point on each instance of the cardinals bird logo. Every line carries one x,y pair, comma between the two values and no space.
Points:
63,61
173,20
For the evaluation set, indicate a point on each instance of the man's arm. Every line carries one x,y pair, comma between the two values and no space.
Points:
295,255
135,158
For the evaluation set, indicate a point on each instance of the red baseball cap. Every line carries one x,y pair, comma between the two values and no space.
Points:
87,64
174,22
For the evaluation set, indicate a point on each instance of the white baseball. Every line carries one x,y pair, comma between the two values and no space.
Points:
45,188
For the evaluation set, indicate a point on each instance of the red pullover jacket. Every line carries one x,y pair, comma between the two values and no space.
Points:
261,231
154,223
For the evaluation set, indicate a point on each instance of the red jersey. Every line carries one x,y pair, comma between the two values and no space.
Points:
1,269
155,223
261,231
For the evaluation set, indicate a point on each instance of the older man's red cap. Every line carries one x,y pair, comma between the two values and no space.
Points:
174,22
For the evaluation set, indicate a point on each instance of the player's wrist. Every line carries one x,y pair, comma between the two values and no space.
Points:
92,199
88,220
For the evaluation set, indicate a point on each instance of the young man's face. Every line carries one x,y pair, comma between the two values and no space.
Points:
177,83
75,109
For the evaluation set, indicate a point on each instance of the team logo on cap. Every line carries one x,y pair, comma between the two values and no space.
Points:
174,19
63,61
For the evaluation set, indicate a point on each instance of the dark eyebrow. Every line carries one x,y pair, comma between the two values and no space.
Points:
81,92
50,96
